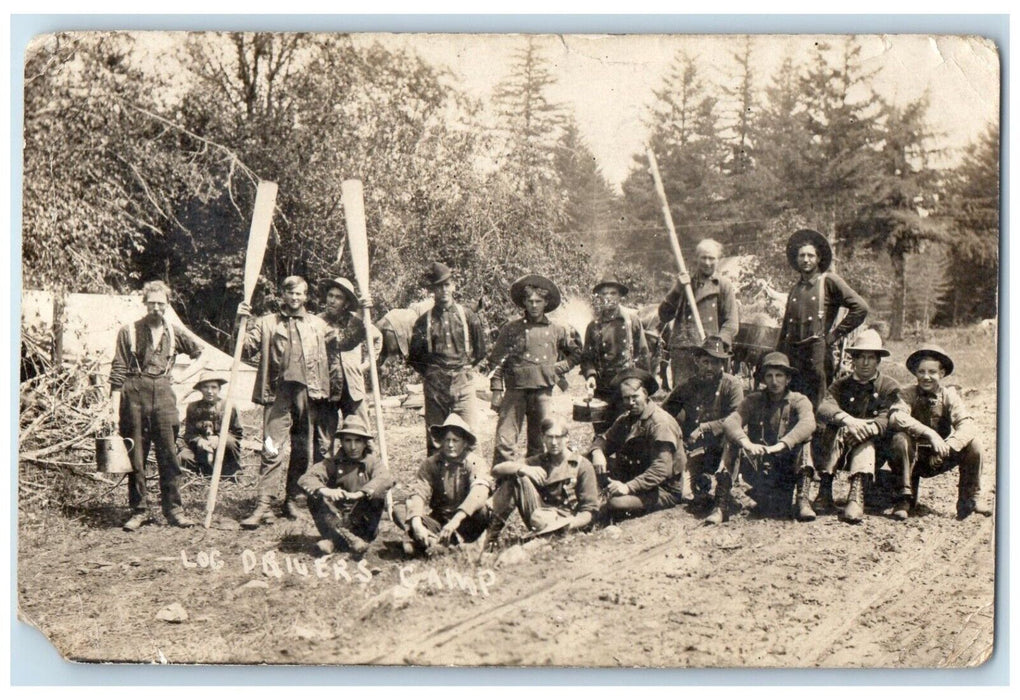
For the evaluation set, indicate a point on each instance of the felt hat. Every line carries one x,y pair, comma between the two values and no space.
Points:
517,290
610,281
437,272
806,236
930,352
353,425
714,346
207,377
868,340
455,423
647,378
343,284
775,360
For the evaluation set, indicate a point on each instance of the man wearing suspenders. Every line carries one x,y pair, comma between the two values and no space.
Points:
447,342
807,334
145,405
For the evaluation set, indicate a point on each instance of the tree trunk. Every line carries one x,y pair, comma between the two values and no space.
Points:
899,298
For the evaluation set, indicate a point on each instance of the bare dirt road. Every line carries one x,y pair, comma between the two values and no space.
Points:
662,590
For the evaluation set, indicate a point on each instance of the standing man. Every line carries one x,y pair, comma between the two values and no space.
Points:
143,403
647,449
700,405
530,356
292,375
807,335
613,342
773,428
855,412
717,306
447,343
201,430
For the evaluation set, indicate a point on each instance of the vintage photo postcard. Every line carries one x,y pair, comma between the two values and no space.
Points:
510,350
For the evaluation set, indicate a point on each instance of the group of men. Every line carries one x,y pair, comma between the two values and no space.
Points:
797,429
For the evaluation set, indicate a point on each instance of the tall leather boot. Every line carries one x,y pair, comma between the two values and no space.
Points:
823,501
723,500
968,491
854,510
262,515
804,511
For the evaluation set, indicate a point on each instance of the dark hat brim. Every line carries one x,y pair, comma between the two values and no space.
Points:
711,353
806,236
437,432
611,283
929,353
431,279
647,379
552,301
881,352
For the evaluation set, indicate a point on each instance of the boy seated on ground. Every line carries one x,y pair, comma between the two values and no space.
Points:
453,484
553,491
347,492
935,433
202,427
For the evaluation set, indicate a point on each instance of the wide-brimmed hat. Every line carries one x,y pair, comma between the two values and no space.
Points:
552,300
868,340
207,377
436,273
775,360
455,423
930,352
343,284
714,346
806,236
647,379
353,425
610,281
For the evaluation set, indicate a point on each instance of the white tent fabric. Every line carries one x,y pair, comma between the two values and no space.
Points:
91,323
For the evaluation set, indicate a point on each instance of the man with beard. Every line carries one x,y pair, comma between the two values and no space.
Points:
530,356
773,428
447,343
700,405
809,334
613,342
646,450
292,376
143,402
716,305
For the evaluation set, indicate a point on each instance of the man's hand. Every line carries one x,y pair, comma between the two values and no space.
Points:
114,414
589,385
754,449
332,494
940,446
536,474
450,529
496,400
774,449
353,495
696,434
856,428
617,488
598,460
366,301
421,533
244,309
831,339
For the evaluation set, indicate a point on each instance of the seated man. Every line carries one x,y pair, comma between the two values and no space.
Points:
555,490
202,427
856,413
347,492
646,449
454,483
773,428
937,434
700,405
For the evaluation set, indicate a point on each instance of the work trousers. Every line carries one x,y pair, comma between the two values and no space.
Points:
196,459
772,478
911,462
329,415
448,391
291,409
471,528
815,369
702,464
519,491
360,517
519,405
837,447
149,417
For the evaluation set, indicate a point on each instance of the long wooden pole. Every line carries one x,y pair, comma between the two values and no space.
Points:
674,243
261,220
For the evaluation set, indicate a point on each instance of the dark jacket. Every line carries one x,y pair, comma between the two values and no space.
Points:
790,420
202,419
836,293
697,401
717,308
609,348
532,355
267,336
368,475
649,449
344,349
870,400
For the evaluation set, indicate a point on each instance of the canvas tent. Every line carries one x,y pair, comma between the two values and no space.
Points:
91,322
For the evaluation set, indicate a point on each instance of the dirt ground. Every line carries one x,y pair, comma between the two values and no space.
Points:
662,590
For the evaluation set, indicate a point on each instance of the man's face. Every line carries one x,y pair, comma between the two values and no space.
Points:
452,445
776,381
807,259
707,262
210,390
929,374
555,442
294,299
155,306
608,300
865,364
634,398
336,301
353,446
443,292
708,366
534,306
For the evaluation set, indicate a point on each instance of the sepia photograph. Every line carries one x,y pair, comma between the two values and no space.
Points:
521,350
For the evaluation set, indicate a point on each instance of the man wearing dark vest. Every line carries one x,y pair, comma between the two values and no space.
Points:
143,402
809,333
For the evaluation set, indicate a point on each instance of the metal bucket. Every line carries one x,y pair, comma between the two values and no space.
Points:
591,411
112,455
